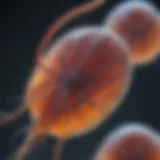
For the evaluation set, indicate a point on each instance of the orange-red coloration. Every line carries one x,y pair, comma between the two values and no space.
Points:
91,73
131,142
139,24
45,42
76,85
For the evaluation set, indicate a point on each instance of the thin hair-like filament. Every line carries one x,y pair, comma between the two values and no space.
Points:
56,26
58,149
33,140
14,115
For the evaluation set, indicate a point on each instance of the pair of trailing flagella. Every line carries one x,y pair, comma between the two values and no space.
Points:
79,81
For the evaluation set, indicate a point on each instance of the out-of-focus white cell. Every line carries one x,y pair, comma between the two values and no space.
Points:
138,23
130,142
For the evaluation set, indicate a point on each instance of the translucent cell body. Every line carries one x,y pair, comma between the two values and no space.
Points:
130,142
138,23
90,74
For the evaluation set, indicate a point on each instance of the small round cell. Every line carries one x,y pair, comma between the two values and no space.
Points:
130,142
90,72
138,23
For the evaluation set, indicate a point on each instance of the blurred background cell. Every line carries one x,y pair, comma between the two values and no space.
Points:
138,22
131,141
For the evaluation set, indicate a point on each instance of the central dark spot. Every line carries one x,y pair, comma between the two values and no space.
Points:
76,80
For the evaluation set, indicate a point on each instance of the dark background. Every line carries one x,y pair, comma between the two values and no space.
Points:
22,26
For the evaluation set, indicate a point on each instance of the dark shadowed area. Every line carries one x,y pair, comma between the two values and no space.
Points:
22,26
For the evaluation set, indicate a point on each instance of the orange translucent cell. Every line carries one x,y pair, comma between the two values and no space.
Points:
90,74
138,23
130,142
